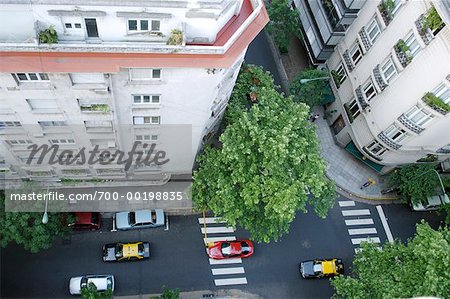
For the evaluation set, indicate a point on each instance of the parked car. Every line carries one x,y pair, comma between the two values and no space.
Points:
139,219
86,221
102,282
321,268
229,249
126,251
432,203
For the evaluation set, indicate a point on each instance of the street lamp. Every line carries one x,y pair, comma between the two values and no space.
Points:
440,181
45,216
303,81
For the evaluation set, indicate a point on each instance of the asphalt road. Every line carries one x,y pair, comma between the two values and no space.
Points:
179,259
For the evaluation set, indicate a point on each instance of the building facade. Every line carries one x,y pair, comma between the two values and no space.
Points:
118,73
391,80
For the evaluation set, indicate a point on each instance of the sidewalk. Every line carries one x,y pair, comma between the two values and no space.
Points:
348,173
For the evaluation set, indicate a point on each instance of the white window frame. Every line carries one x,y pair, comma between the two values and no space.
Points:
352,104
146,137
442,91
395,133
52,123
31,77
10,124
73,26
146,120
376,148
397,4
353,50
340,70
387,65
152,72
98,124
146,99
366,87
61,141
419,116
413,44
151,25
371,28
18,142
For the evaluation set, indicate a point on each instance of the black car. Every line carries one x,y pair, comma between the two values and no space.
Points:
321,268
126,251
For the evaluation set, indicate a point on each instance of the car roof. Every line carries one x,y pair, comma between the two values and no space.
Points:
100,282
329,267
130,249
83,217
143,216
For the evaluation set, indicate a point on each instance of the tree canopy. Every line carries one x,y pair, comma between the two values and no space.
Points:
269,157
312,93
283,24
27,229
415,182
418,268
90,292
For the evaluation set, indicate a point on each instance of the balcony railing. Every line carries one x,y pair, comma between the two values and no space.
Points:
378,78
386,8
429,24
409,124
360,97
388,141
99,108
436,103
403,53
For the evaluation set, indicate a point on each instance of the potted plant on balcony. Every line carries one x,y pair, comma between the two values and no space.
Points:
48,36
336,78
403,52
175,38
386,8
432,20
436,103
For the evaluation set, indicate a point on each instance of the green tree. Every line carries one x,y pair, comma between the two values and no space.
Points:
27,229
283,24
168,294
418,268
269,157
90,292
414,182
312,93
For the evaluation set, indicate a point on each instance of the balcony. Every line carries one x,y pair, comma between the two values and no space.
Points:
403,53
360,97
388,141
429,24
378,78
386,9
409,124
94,108
436,103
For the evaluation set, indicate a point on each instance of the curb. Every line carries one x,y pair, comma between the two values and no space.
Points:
278,62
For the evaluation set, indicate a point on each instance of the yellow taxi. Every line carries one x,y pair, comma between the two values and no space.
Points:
321,268
127,251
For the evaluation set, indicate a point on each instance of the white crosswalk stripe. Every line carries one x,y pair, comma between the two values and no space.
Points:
217,239
225,271
210,220
362,231
218,230
346,203
358,241
230,281
362,212
359,221
225,261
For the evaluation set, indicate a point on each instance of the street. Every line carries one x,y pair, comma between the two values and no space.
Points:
178,257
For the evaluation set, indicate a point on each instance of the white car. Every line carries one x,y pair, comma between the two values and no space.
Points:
433,203
140,219
102,282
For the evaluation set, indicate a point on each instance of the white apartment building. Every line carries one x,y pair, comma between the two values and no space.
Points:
118,73
391,80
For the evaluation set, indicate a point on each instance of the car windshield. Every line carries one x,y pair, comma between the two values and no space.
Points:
131,218
119,251
94,218
84,281
317,268
109,282
226,249
141,249
245,248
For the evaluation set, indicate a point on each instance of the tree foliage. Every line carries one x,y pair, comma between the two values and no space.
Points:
270,155
283,24
311,93
27,229
418,268
90,292
414,182
168,294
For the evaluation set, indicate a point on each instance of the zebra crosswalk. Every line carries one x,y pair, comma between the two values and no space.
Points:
226,272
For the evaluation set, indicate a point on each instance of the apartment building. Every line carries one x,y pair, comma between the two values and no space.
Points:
151,71
391,80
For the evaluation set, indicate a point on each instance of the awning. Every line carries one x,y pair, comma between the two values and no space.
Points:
328,96
353,150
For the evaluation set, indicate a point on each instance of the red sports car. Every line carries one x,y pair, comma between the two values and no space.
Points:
229,249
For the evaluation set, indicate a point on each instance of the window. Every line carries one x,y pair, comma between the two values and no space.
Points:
42,104
369,90
146,99
442,92
143,120
142,25
355,53
62,141
27,77
397,4
341,74
354,109
72,25
376,149
17,142
98,124
10,124
146,137
412,44
373,30
395,133
388,70
55,123
144,74
87,78
419,116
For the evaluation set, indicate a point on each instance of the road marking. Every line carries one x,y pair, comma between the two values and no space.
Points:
230,281
217,239
363,212
357,241
210,220
225,261
347,203
225,271
359,249
359,221
385,224
362,231
218,230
